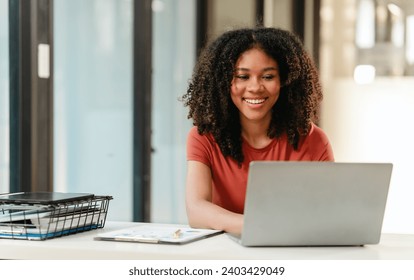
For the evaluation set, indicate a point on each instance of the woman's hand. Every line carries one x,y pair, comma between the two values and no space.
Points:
201,212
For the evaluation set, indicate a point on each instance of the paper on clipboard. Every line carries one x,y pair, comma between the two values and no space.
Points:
152,233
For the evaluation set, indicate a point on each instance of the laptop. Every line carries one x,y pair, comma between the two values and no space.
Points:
315,203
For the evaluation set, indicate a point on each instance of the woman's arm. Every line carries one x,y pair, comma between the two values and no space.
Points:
201,212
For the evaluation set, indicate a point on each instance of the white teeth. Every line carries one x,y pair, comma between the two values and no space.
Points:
255,101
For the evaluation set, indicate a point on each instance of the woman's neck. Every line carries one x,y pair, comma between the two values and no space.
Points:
255,133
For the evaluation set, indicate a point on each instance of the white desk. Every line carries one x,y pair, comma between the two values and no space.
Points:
81,246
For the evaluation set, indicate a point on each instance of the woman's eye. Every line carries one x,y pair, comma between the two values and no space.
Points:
242,77
268,77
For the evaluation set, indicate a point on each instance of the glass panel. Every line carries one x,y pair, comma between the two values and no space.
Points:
4,96
93,100
173,61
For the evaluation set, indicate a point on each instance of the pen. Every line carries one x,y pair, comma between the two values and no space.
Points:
177,233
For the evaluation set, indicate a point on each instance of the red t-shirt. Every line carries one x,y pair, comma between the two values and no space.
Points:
230,180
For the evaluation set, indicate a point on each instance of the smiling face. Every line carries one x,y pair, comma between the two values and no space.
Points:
255,87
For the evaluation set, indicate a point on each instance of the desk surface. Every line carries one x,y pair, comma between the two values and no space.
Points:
82,246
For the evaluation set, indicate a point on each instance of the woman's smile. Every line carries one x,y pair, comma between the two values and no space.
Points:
254,100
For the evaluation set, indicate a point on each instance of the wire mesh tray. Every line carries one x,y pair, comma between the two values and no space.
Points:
37,221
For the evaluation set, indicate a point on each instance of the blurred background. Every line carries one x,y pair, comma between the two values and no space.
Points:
89,92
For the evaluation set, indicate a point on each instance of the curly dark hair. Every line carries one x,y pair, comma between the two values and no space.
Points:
208,94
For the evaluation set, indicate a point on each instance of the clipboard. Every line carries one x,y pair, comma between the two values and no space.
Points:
158,234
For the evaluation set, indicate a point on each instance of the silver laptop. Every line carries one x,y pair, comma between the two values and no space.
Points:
315,203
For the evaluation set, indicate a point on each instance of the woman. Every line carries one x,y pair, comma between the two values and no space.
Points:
254,95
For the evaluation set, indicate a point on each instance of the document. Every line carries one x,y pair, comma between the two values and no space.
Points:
159,234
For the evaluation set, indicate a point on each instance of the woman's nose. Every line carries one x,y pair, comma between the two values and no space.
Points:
255,85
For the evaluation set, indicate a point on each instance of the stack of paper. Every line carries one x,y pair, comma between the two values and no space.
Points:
45,222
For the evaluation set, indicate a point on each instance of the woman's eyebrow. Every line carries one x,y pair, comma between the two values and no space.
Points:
242,69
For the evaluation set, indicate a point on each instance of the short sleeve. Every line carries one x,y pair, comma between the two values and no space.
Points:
198,147
319,145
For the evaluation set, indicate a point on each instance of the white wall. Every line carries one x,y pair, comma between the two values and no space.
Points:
374,123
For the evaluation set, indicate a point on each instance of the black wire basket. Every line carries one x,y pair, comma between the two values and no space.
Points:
37,221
